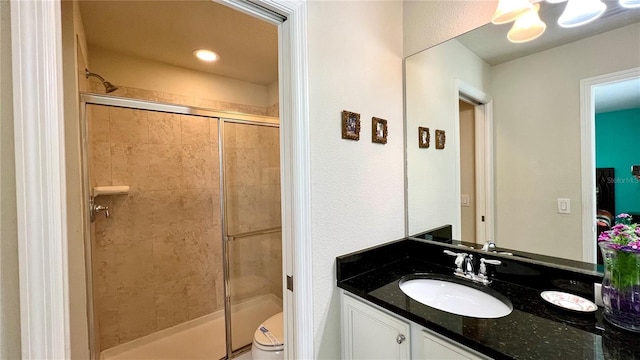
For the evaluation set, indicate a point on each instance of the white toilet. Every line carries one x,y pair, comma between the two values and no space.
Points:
268,340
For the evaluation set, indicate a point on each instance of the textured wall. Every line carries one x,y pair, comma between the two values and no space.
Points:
429,22
355,64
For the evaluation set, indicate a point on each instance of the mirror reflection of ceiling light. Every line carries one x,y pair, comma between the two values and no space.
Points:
580,12
509,10
205,55
630,3
527,27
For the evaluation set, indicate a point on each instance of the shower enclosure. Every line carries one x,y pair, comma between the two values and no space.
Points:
184,251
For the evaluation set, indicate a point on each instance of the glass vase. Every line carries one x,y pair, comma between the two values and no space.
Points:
621,287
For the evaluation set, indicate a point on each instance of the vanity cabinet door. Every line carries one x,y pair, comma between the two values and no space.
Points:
435,347
368,333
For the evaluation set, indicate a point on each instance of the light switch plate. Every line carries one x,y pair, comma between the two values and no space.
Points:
564,206
464,200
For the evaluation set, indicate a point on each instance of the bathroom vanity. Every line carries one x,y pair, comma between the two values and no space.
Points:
380,321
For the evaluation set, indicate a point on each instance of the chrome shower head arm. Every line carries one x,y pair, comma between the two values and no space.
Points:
88,74
109,87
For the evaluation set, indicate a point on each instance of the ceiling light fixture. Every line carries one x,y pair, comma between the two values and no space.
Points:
509,10
527,27
206,55
580,12
630,4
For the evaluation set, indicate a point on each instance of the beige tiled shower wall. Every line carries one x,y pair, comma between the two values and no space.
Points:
157,259
212,104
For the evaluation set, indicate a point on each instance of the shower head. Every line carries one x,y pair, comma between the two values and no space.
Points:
109,87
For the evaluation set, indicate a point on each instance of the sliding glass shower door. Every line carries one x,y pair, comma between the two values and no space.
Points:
253,245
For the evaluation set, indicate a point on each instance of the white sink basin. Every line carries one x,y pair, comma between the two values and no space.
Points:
450,296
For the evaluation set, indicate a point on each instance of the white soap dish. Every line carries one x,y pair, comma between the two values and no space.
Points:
569,301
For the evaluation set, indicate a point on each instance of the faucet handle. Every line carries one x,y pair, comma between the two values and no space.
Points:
482,272
449,252
460,260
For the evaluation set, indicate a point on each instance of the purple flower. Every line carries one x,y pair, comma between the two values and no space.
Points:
623,235
604,236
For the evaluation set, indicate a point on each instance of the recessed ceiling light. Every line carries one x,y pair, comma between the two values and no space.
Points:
206,55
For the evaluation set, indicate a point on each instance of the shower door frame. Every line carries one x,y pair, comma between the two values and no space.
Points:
147,105
227,238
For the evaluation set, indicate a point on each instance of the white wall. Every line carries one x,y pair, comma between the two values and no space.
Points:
355,64
537,139
430,22
129,71
9,283
431,101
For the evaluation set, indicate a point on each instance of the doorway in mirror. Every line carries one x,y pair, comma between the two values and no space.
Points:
475,168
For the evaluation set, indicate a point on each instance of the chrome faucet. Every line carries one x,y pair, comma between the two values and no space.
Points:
489,246
464,267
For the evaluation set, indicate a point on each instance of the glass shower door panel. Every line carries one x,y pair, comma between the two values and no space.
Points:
255,283
252,217
157,259
252,177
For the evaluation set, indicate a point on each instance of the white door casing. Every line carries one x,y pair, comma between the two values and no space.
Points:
41,185
483,112
588,155
36,40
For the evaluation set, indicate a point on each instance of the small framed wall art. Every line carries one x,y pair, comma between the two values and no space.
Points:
440,139
350,125
423,137
379,130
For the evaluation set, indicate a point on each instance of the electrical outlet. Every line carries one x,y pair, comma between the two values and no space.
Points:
597,294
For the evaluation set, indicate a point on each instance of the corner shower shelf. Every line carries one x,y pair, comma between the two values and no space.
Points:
110,190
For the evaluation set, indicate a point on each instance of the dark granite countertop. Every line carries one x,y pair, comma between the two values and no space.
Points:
534,330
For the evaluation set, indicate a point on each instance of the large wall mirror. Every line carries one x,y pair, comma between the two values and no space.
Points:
512,169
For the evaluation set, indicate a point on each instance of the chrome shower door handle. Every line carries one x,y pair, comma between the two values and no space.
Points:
98,208
94,209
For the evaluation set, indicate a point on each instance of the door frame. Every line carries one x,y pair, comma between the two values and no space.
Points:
41,186
483,113
588,155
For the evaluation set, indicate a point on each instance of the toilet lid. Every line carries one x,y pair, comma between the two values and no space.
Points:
271,332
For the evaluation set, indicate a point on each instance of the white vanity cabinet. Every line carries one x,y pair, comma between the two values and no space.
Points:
434,346
370,332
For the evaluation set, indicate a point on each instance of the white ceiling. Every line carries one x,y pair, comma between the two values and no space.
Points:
618,96
169,31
